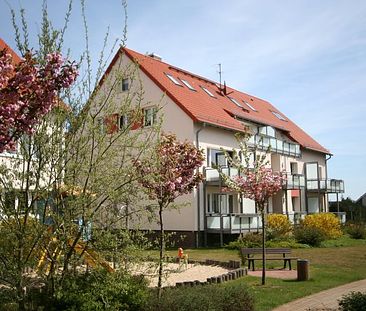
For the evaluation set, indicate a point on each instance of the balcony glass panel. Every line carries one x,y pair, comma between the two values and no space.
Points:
265,142
297,147
213,222
273,143
279,145
322,184
312,184
292,149
212,174
295,181
226,221
302,181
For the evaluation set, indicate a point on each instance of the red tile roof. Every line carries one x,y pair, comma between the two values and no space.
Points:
3,45
218,111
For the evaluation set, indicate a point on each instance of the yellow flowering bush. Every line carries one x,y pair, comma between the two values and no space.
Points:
278,226
327,223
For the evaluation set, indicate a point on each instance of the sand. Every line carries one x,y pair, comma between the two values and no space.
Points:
172,273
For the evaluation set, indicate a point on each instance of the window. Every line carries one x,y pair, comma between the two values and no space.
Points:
278,115
123,121
236,102
220,203
125,85
267,131
249,105
174,80
217,157
293,167
208,92
150,116
186,83
101,125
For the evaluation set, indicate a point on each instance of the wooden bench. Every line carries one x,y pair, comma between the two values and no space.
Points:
249,255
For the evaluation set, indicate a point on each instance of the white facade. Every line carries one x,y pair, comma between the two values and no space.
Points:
208,210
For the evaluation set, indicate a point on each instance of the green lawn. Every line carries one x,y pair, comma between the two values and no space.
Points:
342,261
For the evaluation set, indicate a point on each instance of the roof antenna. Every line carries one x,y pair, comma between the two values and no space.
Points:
220,74
222,88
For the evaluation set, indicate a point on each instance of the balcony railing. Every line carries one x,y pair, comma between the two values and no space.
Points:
277,145
233,223
212,174
294,181
325,185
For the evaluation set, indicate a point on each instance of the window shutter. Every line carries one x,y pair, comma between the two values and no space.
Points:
137,118
137,124
111,123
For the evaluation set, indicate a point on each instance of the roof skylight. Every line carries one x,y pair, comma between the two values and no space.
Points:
174,80
186,83
249,105
208,92
236,102
279,116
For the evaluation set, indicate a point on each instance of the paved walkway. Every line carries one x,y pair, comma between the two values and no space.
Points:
325,300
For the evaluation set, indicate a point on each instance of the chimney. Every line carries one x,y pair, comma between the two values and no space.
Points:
155,56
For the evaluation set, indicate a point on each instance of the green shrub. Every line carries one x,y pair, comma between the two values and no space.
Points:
355,301
312,236
232,296
356,231
290,243
100,290
249,240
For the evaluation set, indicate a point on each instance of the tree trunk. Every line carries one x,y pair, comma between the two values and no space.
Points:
161,249
263,245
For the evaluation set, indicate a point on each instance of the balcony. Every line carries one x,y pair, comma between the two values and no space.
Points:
212,175
294,181
277,145
233,223
325,185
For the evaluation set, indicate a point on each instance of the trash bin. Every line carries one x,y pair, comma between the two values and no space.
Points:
302,269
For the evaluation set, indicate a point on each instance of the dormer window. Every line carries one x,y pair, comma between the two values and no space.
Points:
279,116
186,83
125,84
267,131
174,80
208,92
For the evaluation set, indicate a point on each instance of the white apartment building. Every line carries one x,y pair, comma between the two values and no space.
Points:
208,115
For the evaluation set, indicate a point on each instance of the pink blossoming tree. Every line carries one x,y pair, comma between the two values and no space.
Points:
171,174
255,181
28,91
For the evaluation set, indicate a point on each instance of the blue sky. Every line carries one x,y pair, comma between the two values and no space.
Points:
308,58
